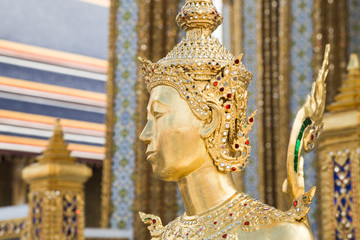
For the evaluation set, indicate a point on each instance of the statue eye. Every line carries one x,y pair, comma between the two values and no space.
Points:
158,115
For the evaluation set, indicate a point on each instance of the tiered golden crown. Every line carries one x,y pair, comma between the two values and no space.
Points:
203,72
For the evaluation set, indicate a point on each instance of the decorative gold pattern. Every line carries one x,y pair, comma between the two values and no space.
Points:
241,212
196,70
306,131
203,71
338,164
56,192
348,98
16,228
235,22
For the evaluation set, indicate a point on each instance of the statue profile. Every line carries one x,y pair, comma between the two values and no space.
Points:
197,135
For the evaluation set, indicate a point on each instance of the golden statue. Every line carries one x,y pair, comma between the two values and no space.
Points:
197,136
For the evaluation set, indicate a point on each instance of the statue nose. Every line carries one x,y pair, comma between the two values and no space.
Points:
146,134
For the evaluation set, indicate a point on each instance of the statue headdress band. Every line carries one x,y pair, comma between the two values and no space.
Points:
204,72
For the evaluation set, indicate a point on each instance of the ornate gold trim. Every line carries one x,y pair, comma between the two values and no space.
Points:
14,228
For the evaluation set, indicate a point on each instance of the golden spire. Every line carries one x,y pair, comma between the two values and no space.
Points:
56,150
349,96
200,16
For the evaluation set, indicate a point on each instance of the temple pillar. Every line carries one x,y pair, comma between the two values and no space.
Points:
339,162
18,184
56,198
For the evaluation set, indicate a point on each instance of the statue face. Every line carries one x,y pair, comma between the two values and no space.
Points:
175,148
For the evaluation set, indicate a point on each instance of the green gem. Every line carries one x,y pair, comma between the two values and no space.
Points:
305,124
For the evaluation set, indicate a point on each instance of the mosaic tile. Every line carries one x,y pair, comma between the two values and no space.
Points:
125,107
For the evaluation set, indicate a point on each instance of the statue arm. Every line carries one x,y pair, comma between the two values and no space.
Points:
305,132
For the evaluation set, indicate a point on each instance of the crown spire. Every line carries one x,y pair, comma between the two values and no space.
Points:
348,98
199,16
56,150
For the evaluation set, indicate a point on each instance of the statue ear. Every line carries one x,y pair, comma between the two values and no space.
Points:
209,127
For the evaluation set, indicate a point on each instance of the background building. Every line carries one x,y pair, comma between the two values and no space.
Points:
53,63
56,61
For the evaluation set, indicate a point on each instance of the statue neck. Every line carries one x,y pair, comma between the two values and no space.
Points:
205,188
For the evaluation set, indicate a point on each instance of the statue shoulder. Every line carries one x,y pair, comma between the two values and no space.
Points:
266,222
240,218
291,230
279,231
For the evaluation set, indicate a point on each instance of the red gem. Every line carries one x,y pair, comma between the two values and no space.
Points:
237,61
221,89
245,204
224,236
233,169
215,84
237,146
229,95
295,203
200,229
152,70
312,137
228,107
212,68
230,214
251,120
154,221
187,234
246,223
215,222
247,142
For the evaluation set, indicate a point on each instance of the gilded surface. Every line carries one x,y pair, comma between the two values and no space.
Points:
56,199
237,217
307,128
16,228
338,164
152,195
196,135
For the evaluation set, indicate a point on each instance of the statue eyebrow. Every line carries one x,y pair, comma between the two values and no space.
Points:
159,105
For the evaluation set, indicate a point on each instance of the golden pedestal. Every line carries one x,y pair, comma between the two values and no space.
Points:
339,162
56,198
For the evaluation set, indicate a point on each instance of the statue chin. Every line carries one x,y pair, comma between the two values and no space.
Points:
162,174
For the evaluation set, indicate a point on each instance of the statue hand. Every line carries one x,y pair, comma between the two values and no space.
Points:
155,225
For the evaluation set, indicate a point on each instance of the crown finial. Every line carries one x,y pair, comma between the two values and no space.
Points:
199,16
353,66
56,150
348,98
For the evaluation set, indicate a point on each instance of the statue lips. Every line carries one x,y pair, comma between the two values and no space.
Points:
149,154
